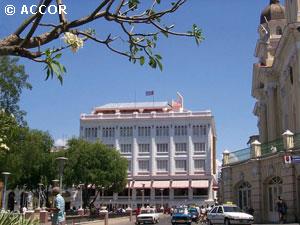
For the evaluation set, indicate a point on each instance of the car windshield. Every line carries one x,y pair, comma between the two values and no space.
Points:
147,211
232,209
180,210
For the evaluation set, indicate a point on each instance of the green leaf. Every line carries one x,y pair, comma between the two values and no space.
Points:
160,66
142,60
152,63
57,56
158,56
165,33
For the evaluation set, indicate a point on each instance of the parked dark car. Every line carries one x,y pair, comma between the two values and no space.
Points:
181,216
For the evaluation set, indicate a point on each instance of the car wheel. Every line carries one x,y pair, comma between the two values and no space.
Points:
227,222
157,221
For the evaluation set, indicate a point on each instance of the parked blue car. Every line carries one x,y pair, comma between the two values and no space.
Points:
181,216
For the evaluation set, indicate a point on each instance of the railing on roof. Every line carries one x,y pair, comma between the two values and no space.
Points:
146,115
297,140
272,147
240,155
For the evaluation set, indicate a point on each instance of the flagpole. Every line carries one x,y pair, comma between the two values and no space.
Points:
153,99
134,98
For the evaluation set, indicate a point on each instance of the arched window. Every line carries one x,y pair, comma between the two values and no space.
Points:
244,195
275,180
279,30
274,190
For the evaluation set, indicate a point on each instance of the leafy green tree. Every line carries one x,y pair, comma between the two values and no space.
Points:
95,164
13,80
8,126
29,159
135,27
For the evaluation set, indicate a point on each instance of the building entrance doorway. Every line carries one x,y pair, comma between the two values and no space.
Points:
274,189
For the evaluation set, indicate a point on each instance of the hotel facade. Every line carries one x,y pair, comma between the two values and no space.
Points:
256,176
171,151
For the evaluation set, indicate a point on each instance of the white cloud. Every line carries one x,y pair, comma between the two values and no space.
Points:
60,142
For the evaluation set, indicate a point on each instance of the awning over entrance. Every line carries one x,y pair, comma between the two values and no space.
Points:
161,184
180,184
141,184
199,184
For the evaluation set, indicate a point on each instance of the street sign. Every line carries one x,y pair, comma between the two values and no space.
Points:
296,159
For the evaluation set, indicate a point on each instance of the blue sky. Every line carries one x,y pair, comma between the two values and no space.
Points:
216,75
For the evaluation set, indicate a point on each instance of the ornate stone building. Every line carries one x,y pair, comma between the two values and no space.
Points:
254,177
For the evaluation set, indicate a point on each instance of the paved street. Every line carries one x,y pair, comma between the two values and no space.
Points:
165,220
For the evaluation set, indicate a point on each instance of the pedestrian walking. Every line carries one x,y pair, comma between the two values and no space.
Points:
281,209
58,209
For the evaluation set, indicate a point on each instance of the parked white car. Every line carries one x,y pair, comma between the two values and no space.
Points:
228,214
148,215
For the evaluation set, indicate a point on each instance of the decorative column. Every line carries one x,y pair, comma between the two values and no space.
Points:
288,140
135,149
153,153
210,189
255,149
190,149
271,111
172,152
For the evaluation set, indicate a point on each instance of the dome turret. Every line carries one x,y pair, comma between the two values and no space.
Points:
274,11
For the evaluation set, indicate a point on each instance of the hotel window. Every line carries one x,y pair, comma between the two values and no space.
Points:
199,130
180,130
129,166
162,131
91,132
108,132
126,132
125,148
162,148
180,147
180,165
144,165
144,131
199,164
199,147
162,165
144,148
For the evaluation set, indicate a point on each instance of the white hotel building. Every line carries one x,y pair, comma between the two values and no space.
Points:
171,151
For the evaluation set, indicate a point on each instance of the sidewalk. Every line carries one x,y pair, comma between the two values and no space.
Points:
112,221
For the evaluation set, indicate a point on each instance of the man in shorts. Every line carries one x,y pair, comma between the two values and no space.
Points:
58,210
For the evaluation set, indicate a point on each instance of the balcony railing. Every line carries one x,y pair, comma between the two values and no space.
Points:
240,155
145,115
297,140
272,147
266,149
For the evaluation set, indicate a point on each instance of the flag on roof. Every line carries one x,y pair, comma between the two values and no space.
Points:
149,93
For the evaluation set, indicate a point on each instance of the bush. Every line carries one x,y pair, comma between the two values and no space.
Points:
15,219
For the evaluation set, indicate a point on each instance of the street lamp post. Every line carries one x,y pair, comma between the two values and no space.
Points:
162,198
5,174
102,200
81,204
61,164
40,189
